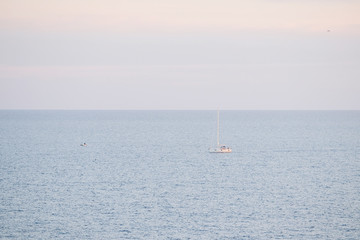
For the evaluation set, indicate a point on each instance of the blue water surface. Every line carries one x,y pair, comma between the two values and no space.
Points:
148,175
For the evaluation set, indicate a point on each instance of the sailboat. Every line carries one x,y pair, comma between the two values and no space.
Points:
220,148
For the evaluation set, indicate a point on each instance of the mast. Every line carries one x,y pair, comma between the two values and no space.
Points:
218,128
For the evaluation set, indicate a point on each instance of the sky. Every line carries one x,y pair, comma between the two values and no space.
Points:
180,55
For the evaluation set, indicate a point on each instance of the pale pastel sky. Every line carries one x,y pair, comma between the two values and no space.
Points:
162,54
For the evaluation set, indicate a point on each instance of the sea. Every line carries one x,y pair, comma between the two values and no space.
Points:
149,175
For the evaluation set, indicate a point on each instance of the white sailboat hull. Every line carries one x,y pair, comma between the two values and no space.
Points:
220,150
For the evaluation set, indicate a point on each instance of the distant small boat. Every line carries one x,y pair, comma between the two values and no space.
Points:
220,148
83,145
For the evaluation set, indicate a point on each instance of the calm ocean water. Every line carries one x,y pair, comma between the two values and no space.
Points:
148,175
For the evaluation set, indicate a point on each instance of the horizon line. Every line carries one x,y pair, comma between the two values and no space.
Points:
215,109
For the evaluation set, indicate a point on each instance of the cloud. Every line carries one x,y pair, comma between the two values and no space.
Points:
163,15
